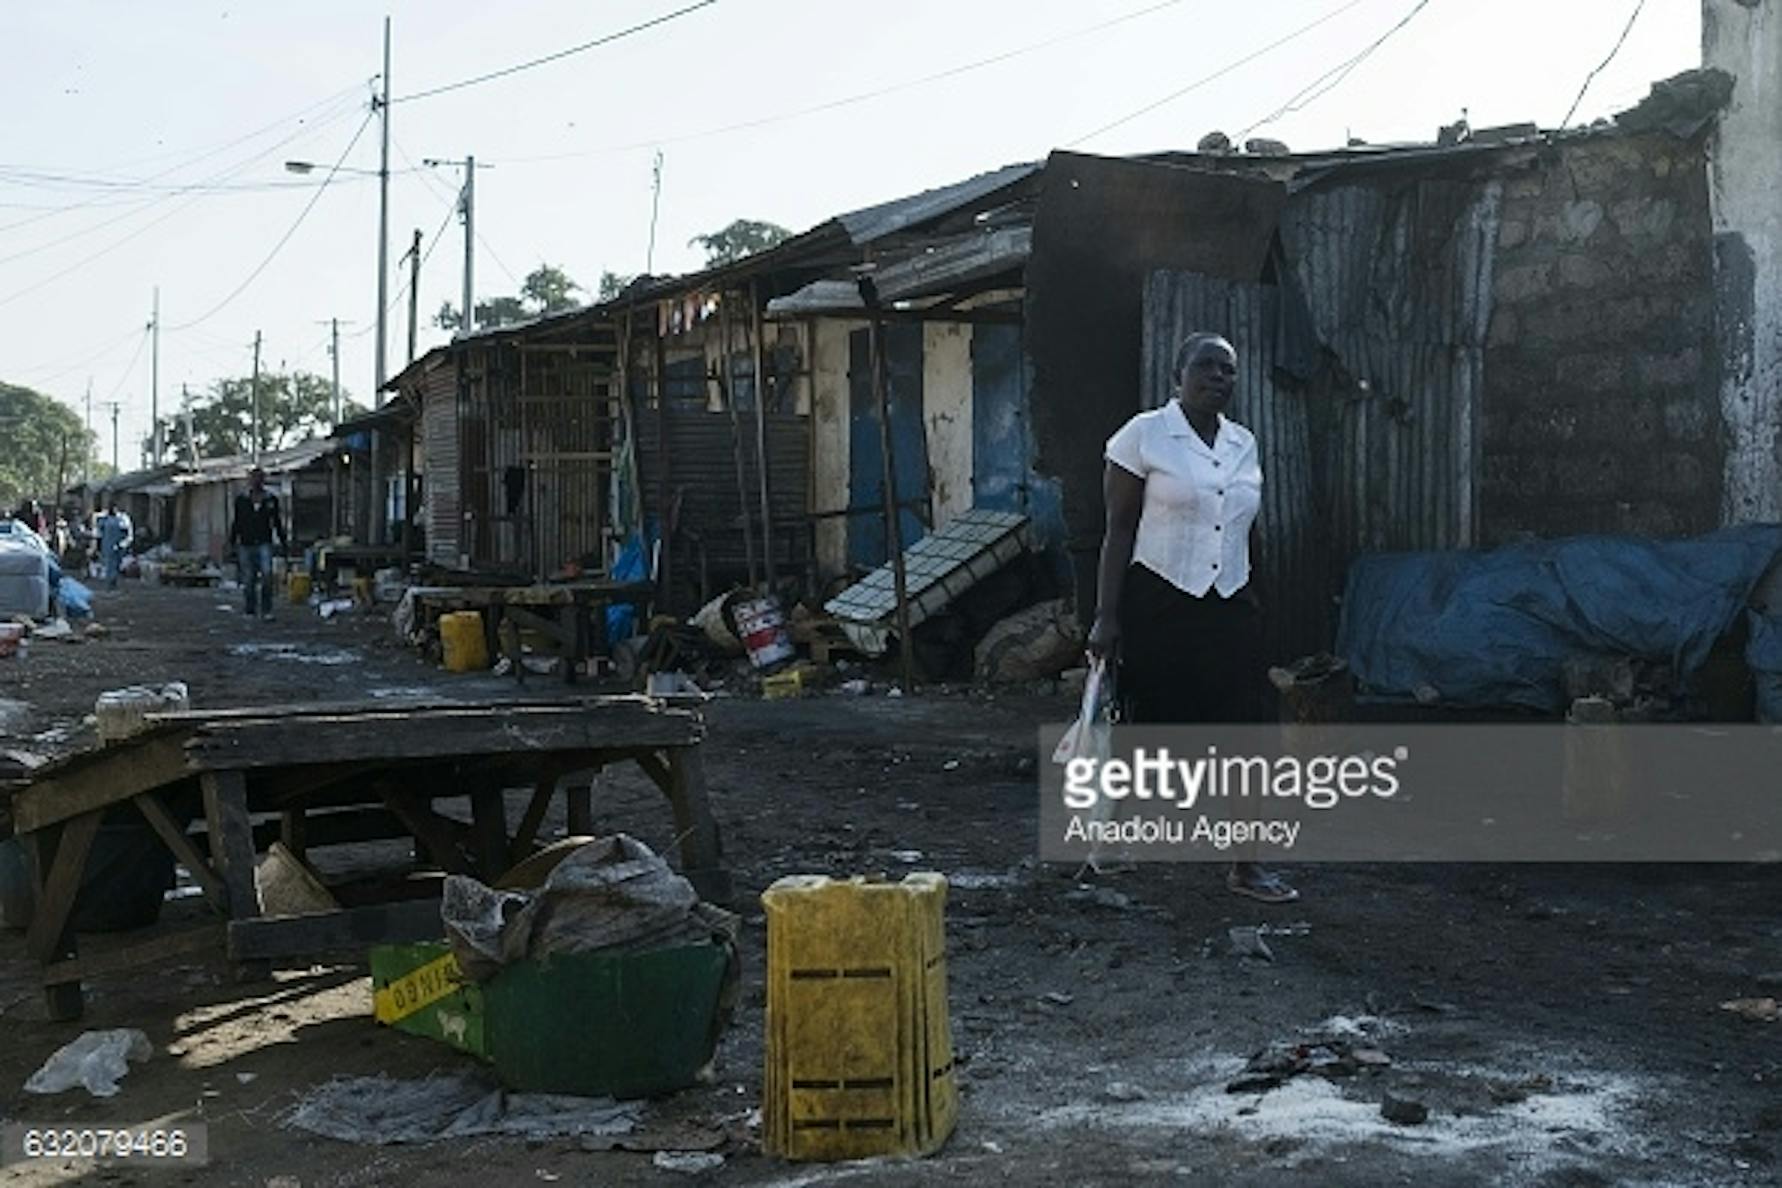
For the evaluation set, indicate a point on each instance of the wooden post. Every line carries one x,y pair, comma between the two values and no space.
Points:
742,478
893,529
682,780
665,517
760,386
232,851
59,860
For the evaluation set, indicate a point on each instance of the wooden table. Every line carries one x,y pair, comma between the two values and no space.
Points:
363,560
567,618
331,774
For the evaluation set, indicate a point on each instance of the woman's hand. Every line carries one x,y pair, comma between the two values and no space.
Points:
1103,636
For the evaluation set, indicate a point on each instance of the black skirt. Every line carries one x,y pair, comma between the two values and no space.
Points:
1185,659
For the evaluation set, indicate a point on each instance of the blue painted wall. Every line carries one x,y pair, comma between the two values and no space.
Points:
909,442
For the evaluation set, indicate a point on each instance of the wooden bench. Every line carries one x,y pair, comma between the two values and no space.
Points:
325,774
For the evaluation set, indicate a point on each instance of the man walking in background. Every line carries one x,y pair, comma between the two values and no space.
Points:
256,522
115,533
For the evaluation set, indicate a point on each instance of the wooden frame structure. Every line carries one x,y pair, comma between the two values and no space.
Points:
567,619
331,774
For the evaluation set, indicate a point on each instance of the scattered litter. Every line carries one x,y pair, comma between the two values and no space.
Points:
1323,1054
1246,941
225,608
950,765
97,631
402,691
96,1061
908,857
542,665
1105,897
671,684
55,629
330,657
287,887
334,606
691,1163
1123,1091
993,1148
1057,998
1758,1010
894,691
381,1110
978,880
502,667
1403,1111
855,688
246,1078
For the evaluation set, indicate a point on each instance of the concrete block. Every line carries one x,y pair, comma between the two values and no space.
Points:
1643,218
1677,369
1690,418
1580,270
1596,372
1523,282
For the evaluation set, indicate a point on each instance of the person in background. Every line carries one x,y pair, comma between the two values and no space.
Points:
257,520
115,534
1177,603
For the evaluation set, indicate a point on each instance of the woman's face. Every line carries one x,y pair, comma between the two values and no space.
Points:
1210,377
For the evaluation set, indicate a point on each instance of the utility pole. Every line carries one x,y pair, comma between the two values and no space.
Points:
155,380
655,205
185,410
414,292
383,225
466,210
113,405
254,399
469,210
86,466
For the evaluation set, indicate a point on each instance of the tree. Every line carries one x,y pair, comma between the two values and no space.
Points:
549,289
46,447
545,290
294,407
613,283
742,238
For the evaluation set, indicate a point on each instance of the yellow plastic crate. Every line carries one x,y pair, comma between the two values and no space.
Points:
859,1046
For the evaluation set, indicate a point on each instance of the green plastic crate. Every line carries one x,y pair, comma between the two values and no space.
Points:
592,1024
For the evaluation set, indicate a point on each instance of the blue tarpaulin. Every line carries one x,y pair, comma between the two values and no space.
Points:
1496,628
632,565
1763,652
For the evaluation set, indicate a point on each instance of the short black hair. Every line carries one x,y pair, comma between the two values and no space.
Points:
1185,350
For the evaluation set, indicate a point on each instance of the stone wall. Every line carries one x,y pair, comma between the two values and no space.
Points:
1601,409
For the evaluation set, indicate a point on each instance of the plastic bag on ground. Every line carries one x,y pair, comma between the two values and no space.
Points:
614,893
96,1061
380,1110
1033,644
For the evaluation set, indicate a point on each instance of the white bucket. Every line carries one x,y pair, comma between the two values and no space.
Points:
762,626
121,711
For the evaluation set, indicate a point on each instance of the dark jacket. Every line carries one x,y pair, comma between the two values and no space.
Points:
256,525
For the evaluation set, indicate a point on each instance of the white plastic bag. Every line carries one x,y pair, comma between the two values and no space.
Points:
1088,735
96,1061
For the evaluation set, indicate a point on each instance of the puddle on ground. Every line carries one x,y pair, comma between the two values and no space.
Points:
295,654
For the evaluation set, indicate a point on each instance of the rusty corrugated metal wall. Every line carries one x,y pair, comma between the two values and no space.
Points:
1294,561
441,465
1367,417
702,471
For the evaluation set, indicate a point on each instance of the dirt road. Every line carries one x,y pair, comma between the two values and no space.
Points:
1560,1024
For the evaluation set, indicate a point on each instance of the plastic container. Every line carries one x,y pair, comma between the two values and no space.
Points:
762,626
12,635
297,586
598,1024
461,636
859,1047
121,712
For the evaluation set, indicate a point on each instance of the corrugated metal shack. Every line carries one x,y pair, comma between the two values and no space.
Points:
1460,346
299,475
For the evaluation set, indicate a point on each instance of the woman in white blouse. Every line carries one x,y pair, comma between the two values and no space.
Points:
1183,486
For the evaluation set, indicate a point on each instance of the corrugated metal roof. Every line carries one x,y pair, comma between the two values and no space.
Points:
888,218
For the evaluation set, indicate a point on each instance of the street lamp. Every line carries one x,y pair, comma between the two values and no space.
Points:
306,167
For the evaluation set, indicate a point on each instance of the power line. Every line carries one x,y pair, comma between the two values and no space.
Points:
1217,74
128,369
510,272
402,292
608,39
1333,78
103,351
1591,77
286,237
860,97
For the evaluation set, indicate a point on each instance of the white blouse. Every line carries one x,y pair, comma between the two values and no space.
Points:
1200,500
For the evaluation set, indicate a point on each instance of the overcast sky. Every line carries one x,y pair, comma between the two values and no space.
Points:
145,144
